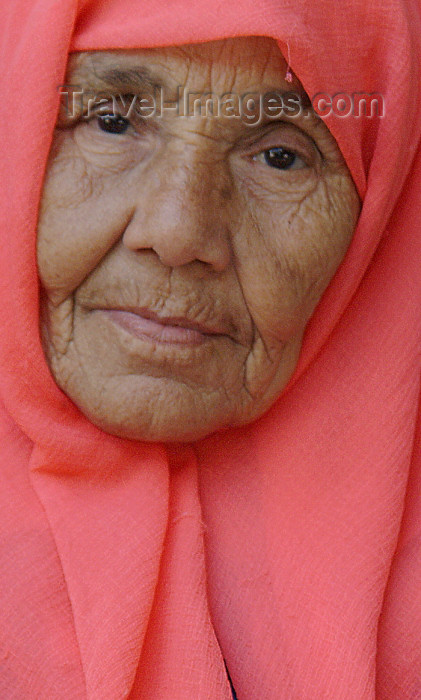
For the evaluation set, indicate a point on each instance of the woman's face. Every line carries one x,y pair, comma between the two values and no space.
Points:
180,257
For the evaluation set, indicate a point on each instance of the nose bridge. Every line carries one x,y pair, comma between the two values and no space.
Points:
182,217
190,182
190,191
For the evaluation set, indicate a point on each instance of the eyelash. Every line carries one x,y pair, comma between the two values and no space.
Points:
285,154
289,157
121,122
110,110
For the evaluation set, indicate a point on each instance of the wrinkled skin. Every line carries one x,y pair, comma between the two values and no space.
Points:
185,221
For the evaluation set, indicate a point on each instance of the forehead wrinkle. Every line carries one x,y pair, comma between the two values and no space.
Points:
211,66
136,79
248,64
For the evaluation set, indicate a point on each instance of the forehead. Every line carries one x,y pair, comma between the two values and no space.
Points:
235,65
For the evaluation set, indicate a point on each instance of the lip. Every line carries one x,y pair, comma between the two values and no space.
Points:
147,325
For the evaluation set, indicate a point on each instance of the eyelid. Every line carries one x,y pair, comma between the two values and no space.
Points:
297,155
310,160
136,123
285,135
108,107
98,105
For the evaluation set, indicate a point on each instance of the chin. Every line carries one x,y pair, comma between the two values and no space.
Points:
161,433
167,429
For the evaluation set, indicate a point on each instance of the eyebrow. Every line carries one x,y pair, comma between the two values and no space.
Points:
141,79
132,79
137,79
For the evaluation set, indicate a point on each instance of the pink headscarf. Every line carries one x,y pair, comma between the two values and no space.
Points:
290,548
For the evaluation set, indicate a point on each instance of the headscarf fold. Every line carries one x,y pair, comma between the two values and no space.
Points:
288,549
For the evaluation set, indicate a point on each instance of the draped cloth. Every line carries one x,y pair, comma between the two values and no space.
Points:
289,549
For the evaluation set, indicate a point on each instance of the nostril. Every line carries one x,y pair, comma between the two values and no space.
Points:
225,193
179,240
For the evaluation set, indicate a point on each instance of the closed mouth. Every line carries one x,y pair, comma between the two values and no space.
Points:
144,323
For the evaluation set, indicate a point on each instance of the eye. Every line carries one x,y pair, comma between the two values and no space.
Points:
281,159
113,123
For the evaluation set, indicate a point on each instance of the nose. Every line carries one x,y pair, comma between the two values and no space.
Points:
181,214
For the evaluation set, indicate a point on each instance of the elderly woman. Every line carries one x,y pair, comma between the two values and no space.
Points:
210,353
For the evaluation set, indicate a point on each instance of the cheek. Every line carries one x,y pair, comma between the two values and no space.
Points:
294,247
77,224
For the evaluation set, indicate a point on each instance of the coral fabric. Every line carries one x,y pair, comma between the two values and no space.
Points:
290,548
